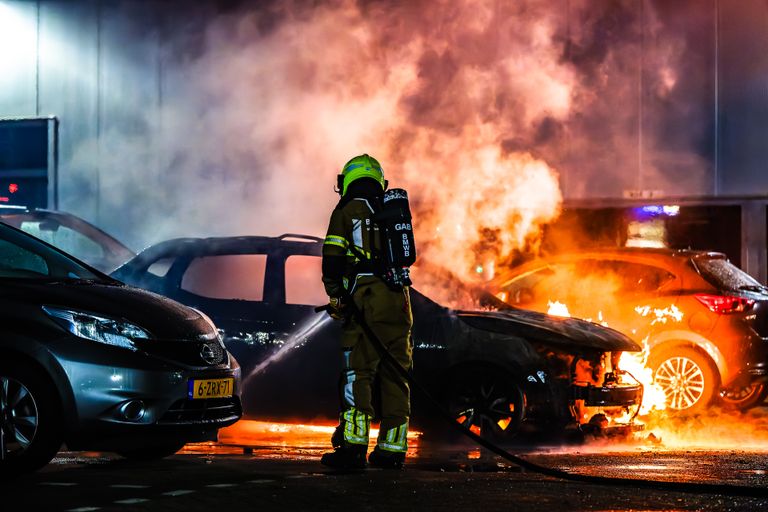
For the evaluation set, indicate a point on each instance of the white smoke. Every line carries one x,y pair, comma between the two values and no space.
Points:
474,106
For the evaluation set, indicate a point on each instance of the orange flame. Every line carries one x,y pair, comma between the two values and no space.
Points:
635,363
558,309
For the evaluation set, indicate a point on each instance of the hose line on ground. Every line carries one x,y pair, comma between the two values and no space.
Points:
685,487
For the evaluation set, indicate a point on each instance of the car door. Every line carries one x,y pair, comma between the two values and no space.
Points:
263,301
640,304
301,379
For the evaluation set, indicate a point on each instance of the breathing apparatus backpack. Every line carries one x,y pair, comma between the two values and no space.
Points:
398,244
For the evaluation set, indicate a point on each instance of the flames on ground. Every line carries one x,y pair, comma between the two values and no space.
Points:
296,438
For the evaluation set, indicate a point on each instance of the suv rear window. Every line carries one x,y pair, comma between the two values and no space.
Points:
725,275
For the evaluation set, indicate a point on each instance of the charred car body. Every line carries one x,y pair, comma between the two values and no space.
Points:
498,372
705,322
96,364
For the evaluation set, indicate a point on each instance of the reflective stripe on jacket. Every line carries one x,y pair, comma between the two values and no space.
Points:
350,243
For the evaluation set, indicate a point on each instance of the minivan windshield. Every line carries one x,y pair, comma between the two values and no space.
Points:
72,235
24,257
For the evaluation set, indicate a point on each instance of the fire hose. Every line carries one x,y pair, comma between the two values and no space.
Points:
685,487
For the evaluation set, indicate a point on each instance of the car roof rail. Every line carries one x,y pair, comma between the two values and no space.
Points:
300,237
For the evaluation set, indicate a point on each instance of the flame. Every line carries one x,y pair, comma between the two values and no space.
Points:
305,437
660,315
558,309
636,365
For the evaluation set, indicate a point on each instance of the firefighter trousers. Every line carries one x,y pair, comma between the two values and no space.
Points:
388,314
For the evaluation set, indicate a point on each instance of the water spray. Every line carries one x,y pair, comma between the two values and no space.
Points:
299,336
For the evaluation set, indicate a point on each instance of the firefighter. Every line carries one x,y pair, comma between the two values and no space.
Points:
352,271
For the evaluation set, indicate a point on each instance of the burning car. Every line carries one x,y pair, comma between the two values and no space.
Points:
702,321
99,365
499,371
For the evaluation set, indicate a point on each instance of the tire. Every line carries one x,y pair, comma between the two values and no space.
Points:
744,398
487,401
688,377
30,418
152,452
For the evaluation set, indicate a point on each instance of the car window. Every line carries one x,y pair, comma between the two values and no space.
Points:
303,283
25,257
725,275
545,283
161,267
66,239
629,278
15,260
574,282
230,276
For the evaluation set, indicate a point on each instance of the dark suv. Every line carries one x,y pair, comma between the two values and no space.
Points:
498,371
704,320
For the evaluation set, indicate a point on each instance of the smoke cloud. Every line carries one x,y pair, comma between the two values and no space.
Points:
479,108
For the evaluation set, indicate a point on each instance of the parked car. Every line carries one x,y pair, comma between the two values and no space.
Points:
71,234
704,320
498,372
91,362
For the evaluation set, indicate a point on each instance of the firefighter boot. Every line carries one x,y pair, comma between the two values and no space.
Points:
347,456
386,460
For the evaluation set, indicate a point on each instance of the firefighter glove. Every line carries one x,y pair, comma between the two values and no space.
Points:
336,307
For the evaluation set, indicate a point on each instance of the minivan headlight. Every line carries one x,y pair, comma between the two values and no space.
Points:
110,331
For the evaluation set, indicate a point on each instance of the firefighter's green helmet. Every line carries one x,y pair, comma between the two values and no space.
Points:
363,166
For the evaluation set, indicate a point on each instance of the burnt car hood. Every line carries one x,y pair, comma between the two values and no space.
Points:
562,332
162,317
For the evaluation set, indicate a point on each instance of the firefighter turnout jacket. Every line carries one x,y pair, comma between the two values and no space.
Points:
351,271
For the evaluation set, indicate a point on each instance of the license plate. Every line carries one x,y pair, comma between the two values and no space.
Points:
210,388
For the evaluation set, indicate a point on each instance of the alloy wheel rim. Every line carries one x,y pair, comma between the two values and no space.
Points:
19,417
739,394
682,380
484,409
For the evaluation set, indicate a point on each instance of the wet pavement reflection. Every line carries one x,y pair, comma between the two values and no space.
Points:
635,458
275,466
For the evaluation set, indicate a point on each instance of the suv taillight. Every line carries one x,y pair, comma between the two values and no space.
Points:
724,304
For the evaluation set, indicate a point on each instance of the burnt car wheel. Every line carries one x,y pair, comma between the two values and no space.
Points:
688,378
152,452
29,419
486,401
745,397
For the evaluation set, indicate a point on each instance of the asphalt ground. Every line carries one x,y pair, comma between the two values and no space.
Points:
276,467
